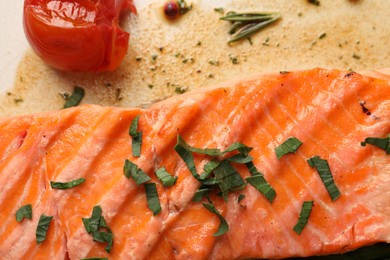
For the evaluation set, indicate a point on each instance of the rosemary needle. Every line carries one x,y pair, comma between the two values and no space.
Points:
235,27
246,24
247,17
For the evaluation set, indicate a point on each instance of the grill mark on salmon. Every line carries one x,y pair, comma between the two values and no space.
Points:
93,142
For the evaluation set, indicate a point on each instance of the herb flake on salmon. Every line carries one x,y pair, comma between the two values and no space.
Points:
291,145
323,169
96,226
136,137
67,185
138,175
382,143
43,226
24,212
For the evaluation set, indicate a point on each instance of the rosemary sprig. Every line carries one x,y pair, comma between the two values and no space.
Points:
246,24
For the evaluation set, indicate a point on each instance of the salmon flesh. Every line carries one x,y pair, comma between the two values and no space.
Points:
330,112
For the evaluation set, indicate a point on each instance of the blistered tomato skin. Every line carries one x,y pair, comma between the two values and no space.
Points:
77,35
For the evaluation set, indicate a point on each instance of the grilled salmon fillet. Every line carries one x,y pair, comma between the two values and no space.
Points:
331,112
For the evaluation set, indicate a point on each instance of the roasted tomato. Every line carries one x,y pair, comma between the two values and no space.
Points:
77,35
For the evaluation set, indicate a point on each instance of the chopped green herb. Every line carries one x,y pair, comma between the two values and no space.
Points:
150,86
242,148
103,223
291,145
86,225
208,168
154,57
152,198
266,42
104,237
240,158
246,24
24,212
136,145
210,182
228,178
67,185
199,194
252,169
214,62
188,60
382,143
136,137
130,169
234,59
314,2
43,226
165,177
75,98
184,151
322,36
95,224
323,169
134,126
219,10
303,216
355,56
223,226
258,181
180,90
18,100
240,197
206,151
